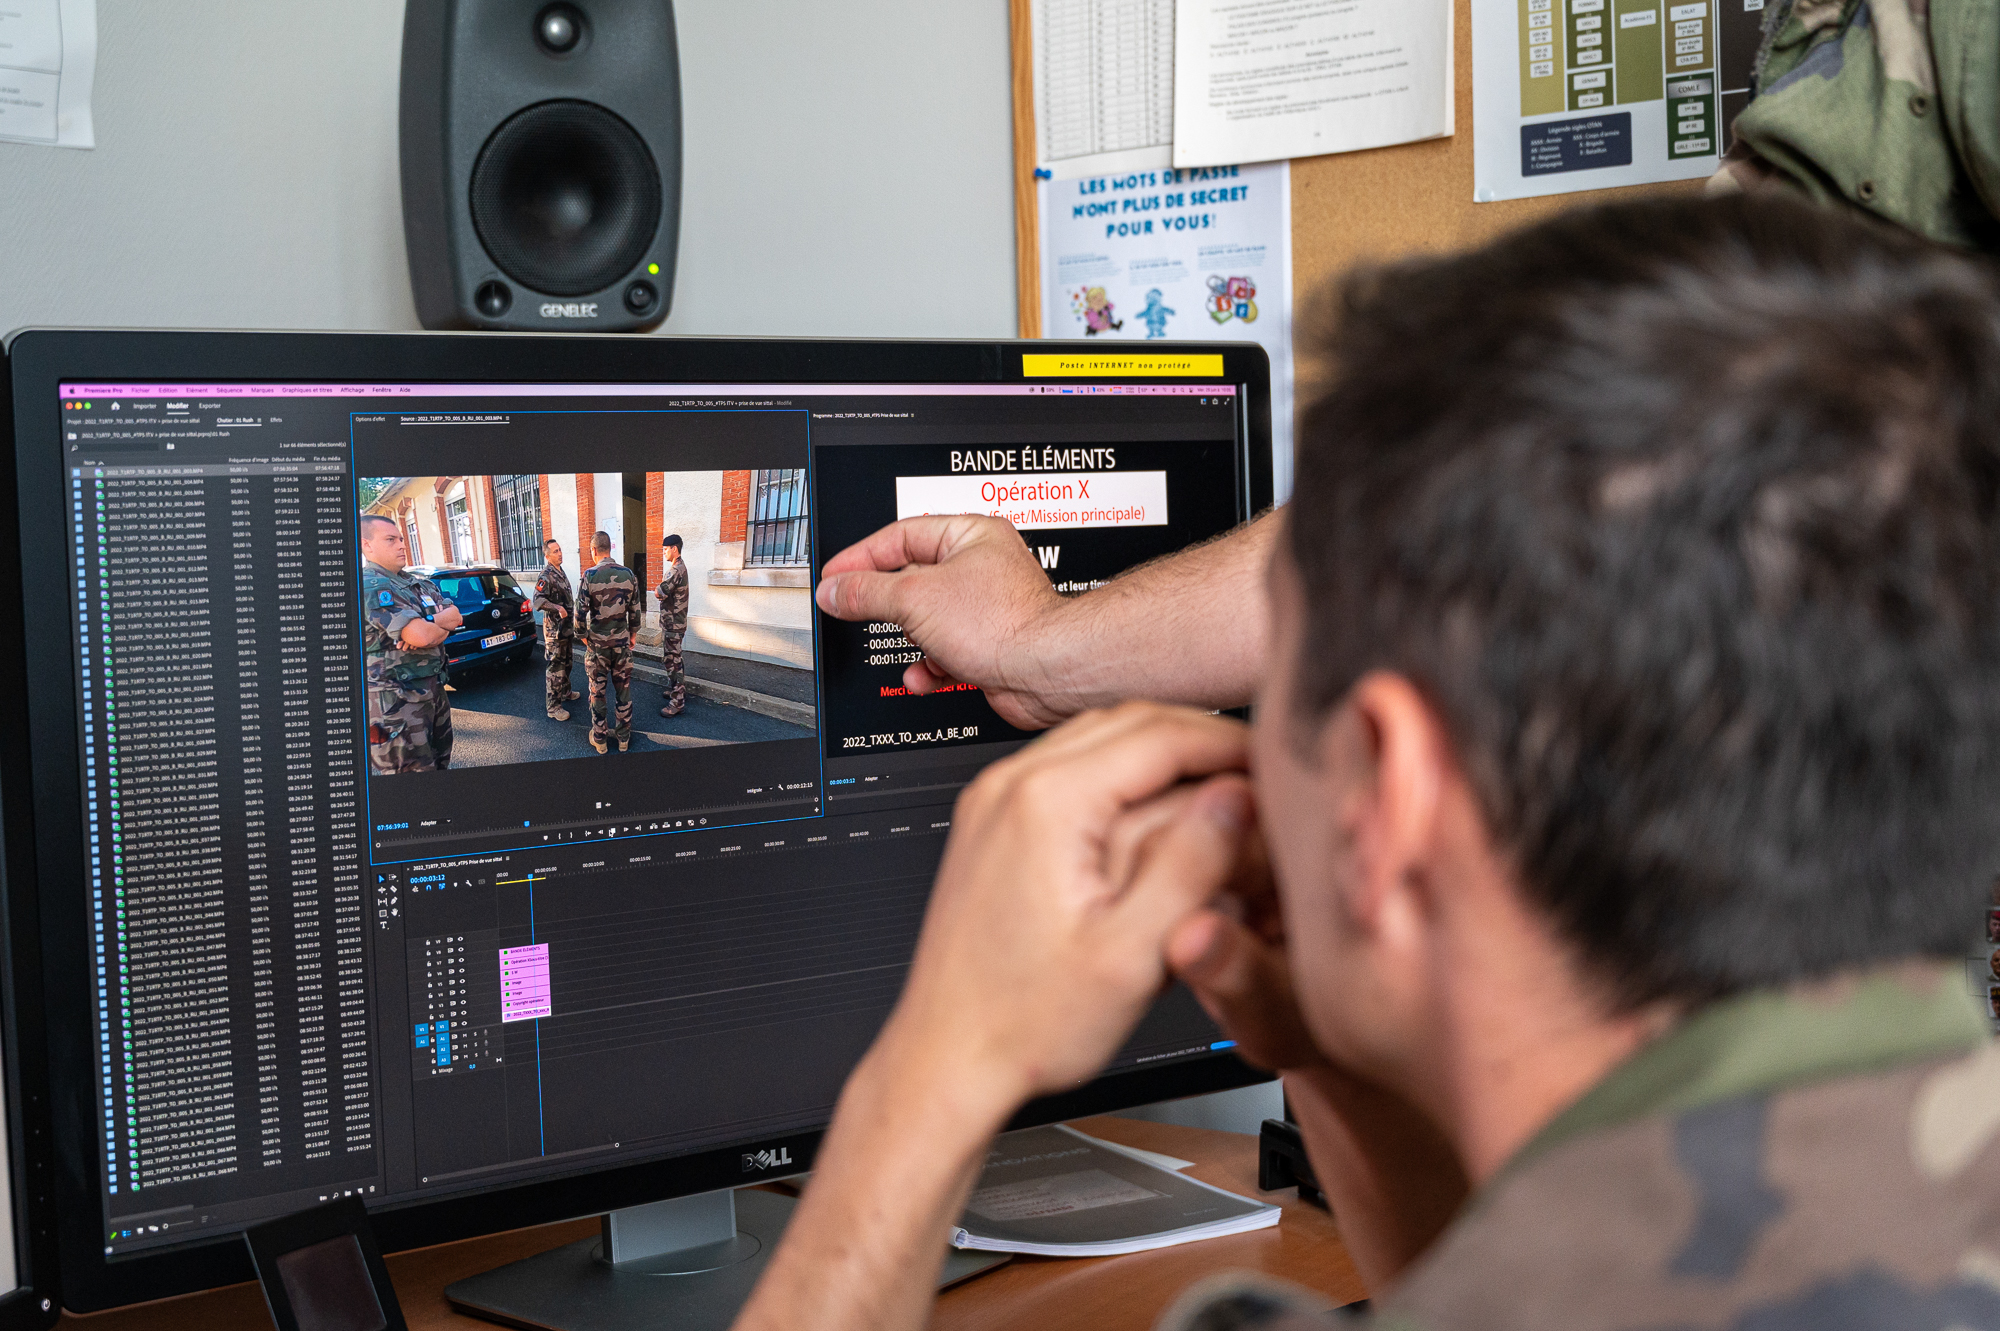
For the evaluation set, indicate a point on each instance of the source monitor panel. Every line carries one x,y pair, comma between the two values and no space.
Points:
332,956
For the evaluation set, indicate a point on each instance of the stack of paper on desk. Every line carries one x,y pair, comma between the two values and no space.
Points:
1057,1193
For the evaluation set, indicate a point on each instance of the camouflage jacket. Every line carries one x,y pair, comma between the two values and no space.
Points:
1815,1159
552,593
1892,106
674,597
606,613
388,602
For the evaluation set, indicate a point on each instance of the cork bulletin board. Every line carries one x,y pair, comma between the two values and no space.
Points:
1347,208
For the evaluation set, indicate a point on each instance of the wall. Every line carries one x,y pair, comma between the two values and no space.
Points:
771,624
847,172
560,522
610,492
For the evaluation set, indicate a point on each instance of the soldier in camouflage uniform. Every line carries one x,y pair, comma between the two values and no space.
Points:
673,623
404,624
607,616
1888,106
1626,754
558,606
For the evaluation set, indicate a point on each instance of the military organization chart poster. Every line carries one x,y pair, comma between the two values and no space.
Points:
1586,94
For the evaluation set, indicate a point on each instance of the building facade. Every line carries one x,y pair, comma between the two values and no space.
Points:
744,538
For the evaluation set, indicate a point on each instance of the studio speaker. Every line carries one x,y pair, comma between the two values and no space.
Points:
541,152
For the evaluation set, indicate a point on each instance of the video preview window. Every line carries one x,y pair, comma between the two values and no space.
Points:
486,606
523,687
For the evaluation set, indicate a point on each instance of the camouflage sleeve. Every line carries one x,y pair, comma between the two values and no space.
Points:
384,612
680,606
542,601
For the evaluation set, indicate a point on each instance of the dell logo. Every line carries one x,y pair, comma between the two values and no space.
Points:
756,1160
572,310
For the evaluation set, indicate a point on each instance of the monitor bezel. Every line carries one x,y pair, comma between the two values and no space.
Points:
26,1115
39,361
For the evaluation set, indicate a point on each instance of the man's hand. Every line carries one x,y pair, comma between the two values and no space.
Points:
449,618
969,593
1188,628
1069,864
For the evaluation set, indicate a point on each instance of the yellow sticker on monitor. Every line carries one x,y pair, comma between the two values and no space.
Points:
1151,365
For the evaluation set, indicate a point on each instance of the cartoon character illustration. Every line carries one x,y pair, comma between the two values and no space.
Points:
1232,298
1155,314
1096,308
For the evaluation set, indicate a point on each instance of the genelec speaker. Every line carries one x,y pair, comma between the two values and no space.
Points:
541,148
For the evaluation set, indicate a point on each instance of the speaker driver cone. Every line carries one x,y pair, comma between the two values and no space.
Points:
565,197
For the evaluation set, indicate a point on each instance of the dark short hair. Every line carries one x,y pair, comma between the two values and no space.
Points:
367,518
601,542
1683,516
673,539
549,542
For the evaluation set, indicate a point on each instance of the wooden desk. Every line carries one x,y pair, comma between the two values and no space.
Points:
1043,1294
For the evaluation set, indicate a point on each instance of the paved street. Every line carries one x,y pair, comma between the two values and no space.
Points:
497,717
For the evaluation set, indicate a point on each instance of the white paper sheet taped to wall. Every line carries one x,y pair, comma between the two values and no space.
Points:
1104,85
48,62
1264,80
1038,502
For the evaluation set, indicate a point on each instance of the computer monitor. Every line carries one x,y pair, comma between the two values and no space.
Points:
305,938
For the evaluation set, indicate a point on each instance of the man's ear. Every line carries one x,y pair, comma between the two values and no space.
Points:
1389,755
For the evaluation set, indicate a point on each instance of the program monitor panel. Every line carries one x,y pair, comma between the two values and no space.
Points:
359,929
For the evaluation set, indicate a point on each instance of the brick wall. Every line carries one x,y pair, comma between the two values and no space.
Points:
586,519
491,508
735,506
548,518
656,505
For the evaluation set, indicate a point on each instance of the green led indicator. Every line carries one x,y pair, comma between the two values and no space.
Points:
653,268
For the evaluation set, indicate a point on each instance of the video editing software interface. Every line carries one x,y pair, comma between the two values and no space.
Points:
488,954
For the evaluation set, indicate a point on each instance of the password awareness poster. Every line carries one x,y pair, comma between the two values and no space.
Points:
1586,94
1199,254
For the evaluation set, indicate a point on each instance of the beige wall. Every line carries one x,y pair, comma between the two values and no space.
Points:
758,623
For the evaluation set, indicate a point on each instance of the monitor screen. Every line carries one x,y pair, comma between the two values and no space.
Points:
346,939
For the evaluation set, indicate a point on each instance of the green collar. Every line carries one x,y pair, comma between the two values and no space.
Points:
1774,1038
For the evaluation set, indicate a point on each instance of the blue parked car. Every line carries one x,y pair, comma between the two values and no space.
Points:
499,621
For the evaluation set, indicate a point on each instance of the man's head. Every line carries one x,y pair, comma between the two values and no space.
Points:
382,542
600,544
1644,561
670,548
552,551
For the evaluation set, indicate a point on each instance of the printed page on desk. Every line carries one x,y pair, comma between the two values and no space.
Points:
1057,1193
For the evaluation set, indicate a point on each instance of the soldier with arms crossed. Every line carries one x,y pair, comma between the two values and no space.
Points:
558,606
403,628
1618,807
605,607
673,623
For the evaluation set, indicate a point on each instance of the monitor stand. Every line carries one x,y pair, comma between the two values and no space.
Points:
689,1263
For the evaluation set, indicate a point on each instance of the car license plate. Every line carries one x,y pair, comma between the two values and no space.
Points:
496,639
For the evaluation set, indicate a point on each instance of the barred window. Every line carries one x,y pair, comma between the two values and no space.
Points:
517,501
778,518
458,525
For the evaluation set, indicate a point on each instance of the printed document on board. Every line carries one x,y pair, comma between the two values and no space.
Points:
1203,255
48,61
1573,95
1104,85
1262,80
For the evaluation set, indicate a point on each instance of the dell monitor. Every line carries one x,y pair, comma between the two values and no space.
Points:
325,918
